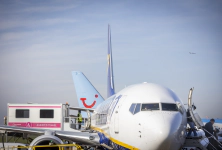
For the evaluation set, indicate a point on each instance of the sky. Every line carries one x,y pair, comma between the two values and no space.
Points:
42,42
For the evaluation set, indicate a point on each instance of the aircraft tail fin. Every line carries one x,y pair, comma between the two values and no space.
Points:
110,79
87,95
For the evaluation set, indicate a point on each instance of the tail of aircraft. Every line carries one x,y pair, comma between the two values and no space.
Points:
87,95
110,80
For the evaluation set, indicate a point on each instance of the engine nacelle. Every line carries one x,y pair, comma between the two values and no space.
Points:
49,137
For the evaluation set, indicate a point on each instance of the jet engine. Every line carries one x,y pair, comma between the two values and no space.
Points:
48,139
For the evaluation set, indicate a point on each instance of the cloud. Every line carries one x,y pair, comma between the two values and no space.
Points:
48,8
35,14
42,42
33,23
23,7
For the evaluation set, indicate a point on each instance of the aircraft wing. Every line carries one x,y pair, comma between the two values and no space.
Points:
21,130
78,137
82,109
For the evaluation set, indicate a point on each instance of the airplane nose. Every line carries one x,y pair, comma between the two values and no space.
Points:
164,132
171,134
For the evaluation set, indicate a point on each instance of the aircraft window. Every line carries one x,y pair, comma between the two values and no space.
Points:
180,108
44,113
132,107
169,107
151,106
22,113
137,109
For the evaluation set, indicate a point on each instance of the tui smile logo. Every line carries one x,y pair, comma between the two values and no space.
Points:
91,105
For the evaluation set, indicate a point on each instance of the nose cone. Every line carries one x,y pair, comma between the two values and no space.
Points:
165,132
172,132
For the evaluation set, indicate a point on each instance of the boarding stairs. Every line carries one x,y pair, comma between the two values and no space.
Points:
194,143
201,142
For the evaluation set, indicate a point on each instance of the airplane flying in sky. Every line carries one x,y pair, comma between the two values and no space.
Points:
192,53
142,116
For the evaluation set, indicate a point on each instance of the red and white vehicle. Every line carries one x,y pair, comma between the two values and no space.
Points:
44,116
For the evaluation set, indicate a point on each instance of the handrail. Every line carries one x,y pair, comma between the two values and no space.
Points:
212,136
83,123
197,120
61,146
198,123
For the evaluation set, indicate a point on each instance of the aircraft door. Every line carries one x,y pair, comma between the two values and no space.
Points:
116,114
194,115
88,122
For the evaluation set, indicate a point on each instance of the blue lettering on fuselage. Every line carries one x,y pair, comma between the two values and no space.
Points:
115,102
107,141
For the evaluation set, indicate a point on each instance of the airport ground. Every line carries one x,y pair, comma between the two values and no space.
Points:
12,139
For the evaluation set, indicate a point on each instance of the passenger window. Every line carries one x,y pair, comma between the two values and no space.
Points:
137,109
151,106
132,107
169,107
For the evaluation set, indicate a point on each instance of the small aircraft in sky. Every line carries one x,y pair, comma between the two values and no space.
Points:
192,53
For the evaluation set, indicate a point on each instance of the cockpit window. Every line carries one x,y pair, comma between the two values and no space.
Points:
180,108
135,108
169,107
132,107
150,106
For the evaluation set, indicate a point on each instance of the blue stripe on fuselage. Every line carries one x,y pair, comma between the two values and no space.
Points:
107,141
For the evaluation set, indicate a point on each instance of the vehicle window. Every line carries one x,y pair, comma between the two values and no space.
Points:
22,113
169,107
46,113
137,109
132,107
150,106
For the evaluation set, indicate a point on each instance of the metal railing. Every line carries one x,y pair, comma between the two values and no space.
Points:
215,139
73,122
59,146
101,119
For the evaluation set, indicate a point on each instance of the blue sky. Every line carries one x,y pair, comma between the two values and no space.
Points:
41,42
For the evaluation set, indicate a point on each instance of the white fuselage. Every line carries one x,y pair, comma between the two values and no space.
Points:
142,116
